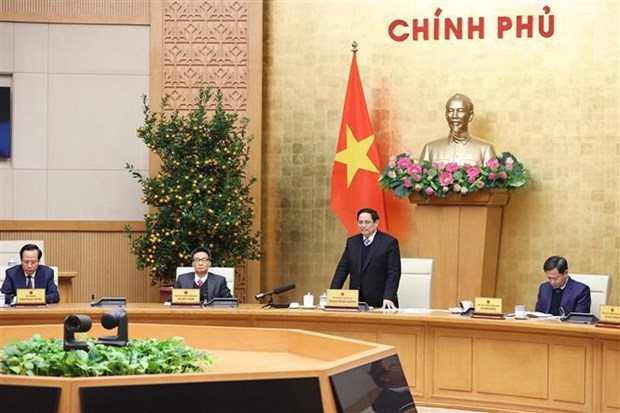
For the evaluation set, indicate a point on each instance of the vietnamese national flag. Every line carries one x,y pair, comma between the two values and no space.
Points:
355,177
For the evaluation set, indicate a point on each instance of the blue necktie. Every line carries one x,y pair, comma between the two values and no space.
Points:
367,242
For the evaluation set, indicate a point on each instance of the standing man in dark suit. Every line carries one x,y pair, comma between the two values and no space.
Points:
30,274
211,285
372,258
561,294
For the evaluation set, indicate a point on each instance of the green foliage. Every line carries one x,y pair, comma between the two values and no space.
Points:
46,357
201,195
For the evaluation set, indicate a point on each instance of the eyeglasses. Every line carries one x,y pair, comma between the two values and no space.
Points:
201,260
31,262
362,223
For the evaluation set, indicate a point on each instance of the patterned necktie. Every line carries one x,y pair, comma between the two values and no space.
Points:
367,242
199,283
29,283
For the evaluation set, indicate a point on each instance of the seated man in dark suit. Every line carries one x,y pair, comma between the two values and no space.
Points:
561,294
211,285
30,274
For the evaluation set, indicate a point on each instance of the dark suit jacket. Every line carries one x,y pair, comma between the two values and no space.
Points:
215,287
576,297
43,278
380,276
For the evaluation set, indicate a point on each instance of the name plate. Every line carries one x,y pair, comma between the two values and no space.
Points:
34,296
342,299
185,296
487,307
609,316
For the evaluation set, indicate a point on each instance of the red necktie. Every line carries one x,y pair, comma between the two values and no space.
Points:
29,283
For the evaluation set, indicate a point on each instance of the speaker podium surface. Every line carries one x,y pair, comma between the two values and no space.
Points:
255,369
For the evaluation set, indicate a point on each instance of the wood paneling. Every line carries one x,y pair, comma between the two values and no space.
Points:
76,11
610,374
515,368
102,261
453,364
568,382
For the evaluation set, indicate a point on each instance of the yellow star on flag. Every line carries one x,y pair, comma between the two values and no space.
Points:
355,156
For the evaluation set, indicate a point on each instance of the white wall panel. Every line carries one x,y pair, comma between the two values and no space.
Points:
93,122
76,107
29,194
99,49
31,49
6,193
93,195
30,121
7,47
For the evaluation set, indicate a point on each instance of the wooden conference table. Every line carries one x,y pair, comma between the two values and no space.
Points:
449,360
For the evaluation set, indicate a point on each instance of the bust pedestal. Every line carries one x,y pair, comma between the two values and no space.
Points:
461,235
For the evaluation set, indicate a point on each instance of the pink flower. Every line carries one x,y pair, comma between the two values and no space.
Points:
437,165
445,179
429,191
418,187
392,161
403,162
493,163
407,182
503,175
491,176
391,174
456,188
473,171
471,179
417,178
452,167
508,166
480,184
414,169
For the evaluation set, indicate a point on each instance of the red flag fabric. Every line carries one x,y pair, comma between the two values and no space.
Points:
356,169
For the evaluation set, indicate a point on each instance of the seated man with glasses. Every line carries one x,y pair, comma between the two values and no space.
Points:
30,274
211,285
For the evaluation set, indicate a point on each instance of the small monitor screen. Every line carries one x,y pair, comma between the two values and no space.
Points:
380,386
5,122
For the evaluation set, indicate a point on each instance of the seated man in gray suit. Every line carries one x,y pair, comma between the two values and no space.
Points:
211,285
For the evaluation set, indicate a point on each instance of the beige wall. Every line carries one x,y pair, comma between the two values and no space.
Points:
76,94
553,102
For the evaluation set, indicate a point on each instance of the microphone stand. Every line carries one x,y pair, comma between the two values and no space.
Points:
270,303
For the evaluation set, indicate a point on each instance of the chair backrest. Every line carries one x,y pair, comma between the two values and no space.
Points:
226,272
3,269
416,276
600,285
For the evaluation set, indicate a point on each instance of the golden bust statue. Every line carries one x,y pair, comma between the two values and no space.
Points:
459,146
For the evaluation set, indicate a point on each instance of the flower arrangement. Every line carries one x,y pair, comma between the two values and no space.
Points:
406,175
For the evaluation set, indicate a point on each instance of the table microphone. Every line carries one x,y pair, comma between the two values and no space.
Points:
277,290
